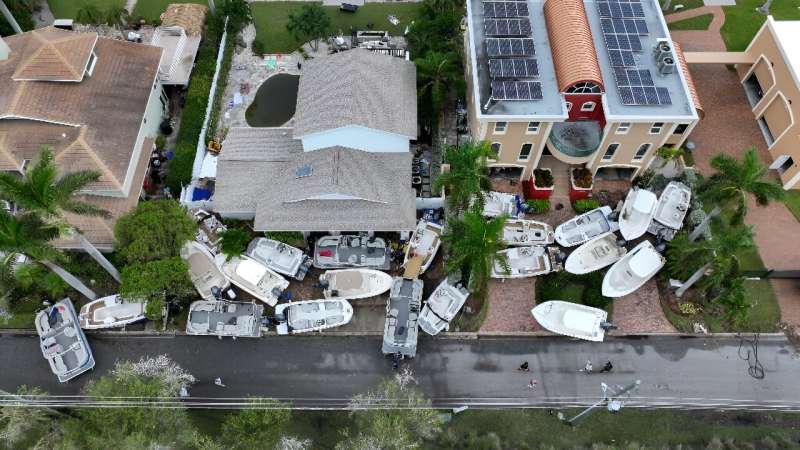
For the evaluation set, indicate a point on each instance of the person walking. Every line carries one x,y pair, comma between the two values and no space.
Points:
532,384
607,368
218,382
524,367
587,368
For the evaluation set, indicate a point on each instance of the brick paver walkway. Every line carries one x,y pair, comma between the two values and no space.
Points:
510,304
641,312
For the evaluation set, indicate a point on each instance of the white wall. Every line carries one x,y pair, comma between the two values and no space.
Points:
358,137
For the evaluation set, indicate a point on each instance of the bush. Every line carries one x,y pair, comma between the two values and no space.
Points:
287,237
257,47
234,242
644,179
156,281
161,141
153,230
539,205
582,177
543,178
585,205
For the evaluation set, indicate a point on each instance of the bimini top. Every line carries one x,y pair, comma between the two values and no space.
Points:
571,44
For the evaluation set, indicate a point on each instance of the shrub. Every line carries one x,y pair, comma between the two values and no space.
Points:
161,141
257,47
156,281
644,179
153,230
585,205
582,177
689,308
543,178
287,237
234,242
539,205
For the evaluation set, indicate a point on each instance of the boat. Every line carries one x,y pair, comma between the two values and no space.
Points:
312,315
354,283
400,328
524,262
442,306
110,312
584,227
280,257
203,269
498,203
633,270
255,278
424,243
218,318
62,341
637,213
673,205
333,252
527,232
599,252
572,319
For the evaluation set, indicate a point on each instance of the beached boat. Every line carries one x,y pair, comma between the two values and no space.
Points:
599,252
62,341
280,257
637,213
571,319
110,312
255,278
527,232
217,318
442,306
312,315
354,283
400,328
333,252
524,262
584,227
673,205
203,269
497,203
424,243
633,270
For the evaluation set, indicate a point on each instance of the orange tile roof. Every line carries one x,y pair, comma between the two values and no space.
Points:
55,55
689,81
571,43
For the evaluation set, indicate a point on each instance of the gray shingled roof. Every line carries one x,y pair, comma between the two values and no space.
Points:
357,87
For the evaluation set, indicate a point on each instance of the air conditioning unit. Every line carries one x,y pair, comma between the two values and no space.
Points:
666,65
663,49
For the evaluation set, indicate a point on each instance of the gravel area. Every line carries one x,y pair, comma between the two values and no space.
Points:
641,312
510,304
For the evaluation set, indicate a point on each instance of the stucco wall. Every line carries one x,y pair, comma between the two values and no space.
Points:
629,143
511,142
357,137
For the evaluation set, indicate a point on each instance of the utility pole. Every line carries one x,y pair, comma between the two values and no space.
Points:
612,402
9,18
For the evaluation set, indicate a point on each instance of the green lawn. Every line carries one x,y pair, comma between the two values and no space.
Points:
68,9
271,19
695,23
151,9
793,203
687,4
742,21
581,289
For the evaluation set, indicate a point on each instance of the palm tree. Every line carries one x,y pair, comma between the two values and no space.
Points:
732,182
472,245
669,154
468,174
436,72
116,16
42,191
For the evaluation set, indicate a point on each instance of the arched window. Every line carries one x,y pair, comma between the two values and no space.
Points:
586,87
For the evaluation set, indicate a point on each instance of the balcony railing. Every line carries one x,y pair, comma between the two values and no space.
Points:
576,139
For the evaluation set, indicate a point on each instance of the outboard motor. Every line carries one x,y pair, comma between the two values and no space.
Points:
608,326
622,242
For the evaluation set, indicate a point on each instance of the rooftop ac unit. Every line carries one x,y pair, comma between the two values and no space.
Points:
663,49
666,65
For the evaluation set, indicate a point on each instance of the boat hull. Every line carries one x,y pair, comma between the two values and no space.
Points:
637,213
571,319
107,306
354,284
425,241
620,281
600,252
320,315
584,227
203,269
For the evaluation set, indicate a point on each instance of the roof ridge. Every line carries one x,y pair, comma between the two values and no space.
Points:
4,151
64,60
93,155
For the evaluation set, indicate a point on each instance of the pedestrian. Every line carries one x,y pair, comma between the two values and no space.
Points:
587,368
532,384
218,382
524,367
608,367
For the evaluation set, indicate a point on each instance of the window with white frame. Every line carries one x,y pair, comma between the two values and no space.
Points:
681,128
495,151
610,150
623,128
525,151
500,127
588,106
656,127
643,149
533,127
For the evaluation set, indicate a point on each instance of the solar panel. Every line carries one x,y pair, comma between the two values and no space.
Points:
505,9
620,9
513,68
507,27
663,96
496,47
516,90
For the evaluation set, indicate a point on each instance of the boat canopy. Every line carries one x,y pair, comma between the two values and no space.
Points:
644,201
251,271
579,320
645,262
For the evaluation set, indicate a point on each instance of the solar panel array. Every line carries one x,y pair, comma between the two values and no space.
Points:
505,9
516,90
507,27
513,68
509,47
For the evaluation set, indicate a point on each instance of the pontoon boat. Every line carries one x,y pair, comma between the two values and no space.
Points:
584,227
62,341
354,283
332,252
110,312
312,315
633,270
600,252
527,232
216,318
637,212
400,329
280,257
203,269
442,306
571,319
255,278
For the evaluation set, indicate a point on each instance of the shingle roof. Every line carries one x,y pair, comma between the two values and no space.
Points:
571,43
52,54
189,16
357,87
689,80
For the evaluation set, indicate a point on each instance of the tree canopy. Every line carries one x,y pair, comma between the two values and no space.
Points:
238,12
153,230
260,425
156,281
472,244
234,242
468,174
311,23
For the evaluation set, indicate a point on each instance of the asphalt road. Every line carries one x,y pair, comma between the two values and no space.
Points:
325,371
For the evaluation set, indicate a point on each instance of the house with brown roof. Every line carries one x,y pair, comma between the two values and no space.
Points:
97,102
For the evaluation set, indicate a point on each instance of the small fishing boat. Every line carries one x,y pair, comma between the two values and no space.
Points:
110,312
572,319
637,213
216,318
333,252
497,203
524,262
424,243
312,315
400,328
584,227
673,205
255,278
203,269
280,257
354,283
62,341
442,306
633,270
527,232
599,252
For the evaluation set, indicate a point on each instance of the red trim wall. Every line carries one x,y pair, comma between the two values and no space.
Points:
579,99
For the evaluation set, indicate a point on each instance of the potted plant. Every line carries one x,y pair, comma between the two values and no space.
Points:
581,183
540,184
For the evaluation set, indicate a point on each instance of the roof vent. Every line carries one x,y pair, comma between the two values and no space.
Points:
666,66
304,171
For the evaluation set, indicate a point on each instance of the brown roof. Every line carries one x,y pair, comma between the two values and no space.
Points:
52,54
571,43
188,16
689,80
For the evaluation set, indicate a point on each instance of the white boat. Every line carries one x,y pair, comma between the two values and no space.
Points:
441,307
633,270
527,232
637,213
584,227
203,269
571,319
673,205
497,203
312,315
333,252
424,243
599,252
255,278
216,318
280,257
62,341
400,331
524,262
110,312
355,283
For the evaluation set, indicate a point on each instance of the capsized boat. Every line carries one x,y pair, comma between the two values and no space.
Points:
203,269
312,315
217,318
497,203
255,278
333,252
571,319
62,341
527,232
637,213
584,227
280,257
442,306
425,242
633,270
599,252
400,328
525,262
673,205
354,283
110,312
